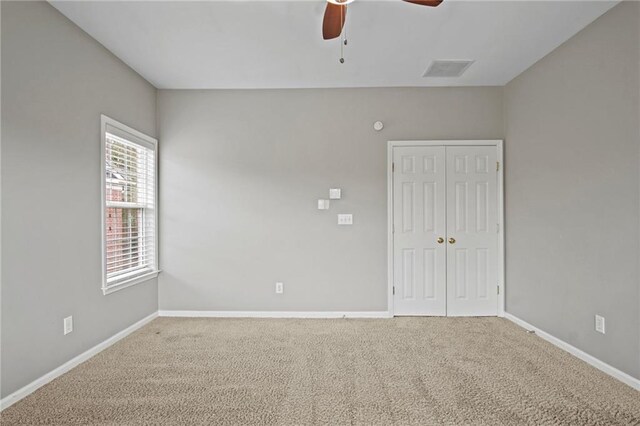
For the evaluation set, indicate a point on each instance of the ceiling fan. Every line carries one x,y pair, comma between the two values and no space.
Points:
336,13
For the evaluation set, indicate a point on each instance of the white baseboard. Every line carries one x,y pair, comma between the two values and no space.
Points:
589,359
38,383
275,314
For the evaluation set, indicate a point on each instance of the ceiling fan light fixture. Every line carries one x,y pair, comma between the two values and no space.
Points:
340,2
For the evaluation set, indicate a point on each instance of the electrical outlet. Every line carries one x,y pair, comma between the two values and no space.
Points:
600,324
279,288
68,325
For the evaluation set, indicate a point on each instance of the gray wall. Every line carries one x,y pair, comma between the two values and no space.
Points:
241,172
56,81
572,190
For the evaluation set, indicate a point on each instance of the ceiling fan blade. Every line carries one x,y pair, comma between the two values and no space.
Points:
432,3
334,17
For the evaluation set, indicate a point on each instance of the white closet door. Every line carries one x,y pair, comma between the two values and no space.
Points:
472,233
419,221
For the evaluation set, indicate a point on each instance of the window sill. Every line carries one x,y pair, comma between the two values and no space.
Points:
129,282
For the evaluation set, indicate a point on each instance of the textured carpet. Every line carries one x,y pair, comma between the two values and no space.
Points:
422,371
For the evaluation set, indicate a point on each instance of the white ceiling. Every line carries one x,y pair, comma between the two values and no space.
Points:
278,44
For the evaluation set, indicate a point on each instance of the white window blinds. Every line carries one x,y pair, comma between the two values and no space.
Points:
129,206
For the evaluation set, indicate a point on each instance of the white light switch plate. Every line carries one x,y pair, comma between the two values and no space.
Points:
68,325
335,193
279,288
600,324
345,219
323,204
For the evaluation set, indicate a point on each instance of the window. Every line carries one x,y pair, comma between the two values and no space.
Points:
129,206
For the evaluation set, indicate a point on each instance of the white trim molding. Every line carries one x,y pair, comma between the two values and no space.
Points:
275,314
74,362
498,143
589,359
130,282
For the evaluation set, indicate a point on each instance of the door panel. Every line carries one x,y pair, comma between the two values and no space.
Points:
419,219
472,267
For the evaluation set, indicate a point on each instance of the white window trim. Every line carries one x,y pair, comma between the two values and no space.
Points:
136,279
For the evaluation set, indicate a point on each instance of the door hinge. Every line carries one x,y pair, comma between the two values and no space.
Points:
497,166
497,228
498,289
393,291
393,167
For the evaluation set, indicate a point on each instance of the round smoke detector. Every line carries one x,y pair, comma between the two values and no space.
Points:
377,126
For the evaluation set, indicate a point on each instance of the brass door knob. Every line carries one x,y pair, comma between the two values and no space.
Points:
452,240
440,240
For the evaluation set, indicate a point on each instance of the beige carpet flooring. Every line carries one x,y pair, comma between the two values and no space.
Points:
402,371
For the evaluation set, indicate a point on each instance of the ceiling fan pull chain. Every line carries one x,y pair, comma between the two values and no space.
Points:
345,27
342,35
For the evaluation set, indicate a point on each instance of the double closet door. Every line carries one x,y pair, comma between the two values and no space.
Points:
445,230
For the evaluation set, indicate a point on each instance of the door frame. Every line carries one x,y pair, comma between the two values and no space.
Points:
500,191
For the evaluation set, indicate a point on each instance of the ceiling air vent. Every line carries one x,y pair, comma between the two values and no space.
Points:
447,68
